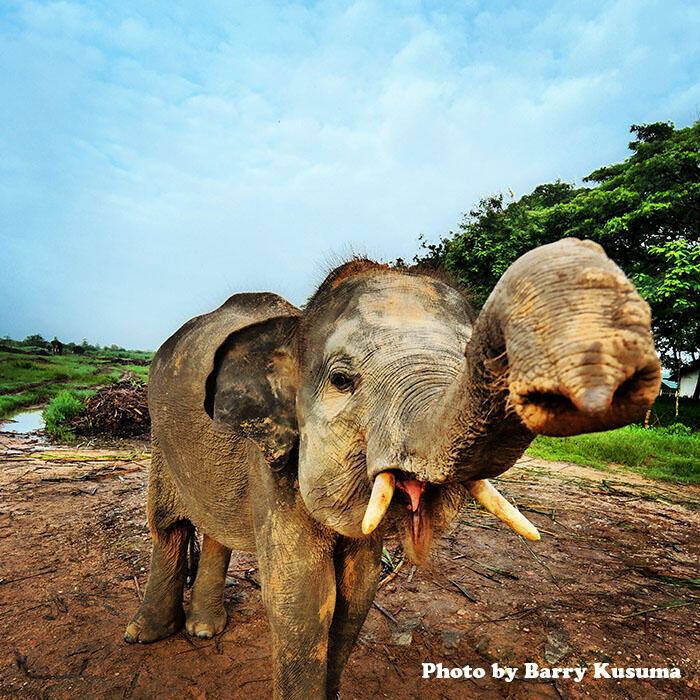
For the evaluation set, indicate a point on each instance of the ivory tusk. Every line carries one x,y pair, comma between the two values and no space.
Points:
486,494
382,492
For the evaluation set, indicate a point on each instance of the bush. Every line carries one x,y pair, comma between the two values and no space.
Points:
678,429
61,411
663,412
23,364
9,405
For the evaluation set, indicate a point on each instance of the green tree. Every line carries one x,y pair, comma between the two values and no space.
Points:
645,212
494,234
36,341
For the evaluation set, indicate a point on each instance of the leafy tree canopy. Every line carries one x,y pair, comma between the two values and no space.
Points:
644,211
35,340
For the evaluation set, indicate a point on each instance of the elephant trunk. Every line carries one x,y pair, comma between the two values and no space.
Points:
581,396
562,346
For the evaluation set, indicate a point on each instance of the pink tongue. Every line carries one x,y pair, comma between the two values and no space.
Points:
414,489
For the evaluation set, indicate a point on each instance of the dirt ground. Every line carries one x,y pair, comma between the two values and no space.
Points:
74,550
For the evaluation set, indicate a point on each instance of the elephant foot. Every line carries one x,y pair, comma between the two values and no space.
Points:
205,623
143,628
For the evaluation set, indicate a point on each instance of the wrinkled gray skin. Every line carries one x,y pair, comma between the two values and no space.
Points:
269,425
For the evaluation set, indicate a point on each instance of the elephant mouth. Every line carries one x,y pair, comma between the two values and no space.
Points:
415,489
417,496
383,491
412,495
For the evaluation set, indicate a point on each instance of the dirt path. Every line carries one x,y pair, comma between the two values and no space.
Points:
74,556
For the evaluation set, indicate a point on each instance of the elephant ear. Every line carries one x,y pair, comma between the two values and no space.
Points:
252,388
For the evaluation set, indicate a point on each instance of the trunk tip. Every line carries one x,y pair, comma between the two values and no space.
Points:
594,400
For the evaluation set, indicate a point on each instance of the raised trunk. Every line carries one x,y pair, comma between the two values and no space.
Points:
486,435
562,346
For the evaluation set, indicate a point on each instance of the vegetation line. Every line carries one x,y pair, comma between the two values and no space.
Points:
30,375
671,453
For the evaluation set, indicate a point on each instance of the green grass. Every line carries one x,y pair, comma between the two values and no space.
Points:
9,405
61,410
28,379
662,453
140,371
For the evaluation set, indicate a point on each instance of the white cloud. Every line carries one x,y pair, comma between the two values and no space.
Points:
157,160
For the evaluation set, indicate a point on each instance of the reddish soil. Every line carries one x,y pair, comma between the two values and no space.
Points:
74,557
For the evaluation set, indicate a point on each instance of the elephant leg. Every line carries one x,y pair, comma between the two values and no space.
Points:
298,591
206,615
357,567
295,560
161,613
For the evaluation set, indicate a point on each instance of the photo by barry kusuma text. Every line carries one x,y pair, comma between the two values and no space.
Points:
532,671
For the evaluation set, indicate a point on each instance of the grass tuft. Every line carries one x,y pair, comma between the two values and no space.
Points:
61,411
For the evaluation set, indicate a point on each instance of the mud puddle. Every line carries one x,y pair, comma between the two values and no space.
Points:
23,423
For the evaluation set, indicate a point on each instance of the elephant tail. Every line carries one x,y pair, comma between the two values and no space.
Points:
193,551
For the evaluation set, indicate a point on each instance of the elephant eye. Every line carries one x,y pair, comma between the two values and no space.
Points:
342,381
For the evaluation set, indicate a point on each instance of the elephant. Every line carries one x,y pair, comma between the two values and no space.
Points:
307,435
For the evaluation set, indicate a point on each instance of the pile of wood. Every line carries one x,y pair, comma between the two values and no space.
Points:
119,409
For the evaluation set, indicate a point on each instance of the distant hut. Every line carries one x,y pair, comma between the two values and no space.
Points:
56,346
690,381
668,387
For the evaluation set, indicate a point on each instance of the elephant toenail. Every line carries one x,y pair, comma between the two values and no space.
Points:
203,634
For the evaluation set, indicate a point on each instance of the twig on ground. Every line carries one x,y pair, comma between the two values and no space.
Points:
385,612
488,576
391,575
501,572
539,561
24,578
248,576
399,672
69,457
256,680
90,476
463,591
130,689
86,651
661,606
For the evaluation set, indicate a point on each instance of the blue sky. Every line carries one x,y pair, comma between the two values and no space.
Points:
157,157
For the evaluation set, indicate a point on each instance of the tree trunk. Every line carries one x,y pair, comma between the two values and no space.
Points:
678,382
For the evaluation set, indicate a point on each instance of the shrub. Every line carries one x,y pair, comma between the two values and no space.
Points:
61,411
663,412
678,429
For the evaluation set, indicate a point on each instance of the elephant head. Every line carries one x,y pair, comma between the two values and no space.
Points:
392,402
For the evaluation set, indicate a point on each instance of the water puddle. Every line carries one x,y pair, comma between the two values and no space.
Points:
25,422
